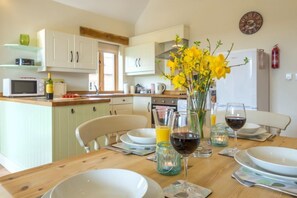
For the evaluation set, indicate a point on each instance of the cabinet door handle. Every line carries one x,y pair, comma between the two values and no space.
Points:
110,113
148,107
139,62
136,62
77,57
94,109
115,112
123,100
72,111
71,53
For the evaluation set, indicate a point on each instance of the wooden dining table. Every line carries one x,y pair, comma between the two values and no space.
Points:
213,172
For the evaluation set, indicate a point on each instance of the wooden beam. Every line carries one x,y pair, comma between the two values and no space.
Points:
103,36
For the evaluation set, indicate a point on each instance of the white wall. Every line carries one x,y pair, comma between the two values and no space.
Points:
30,16
219,19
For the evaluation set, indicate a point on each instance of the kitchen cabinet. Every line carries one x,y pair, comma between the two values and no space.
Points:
32,135
142,106
66,119
66,52
140,59
121,105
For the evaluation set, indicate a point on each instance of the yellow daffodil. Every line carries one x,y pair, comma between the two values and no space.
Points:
195,69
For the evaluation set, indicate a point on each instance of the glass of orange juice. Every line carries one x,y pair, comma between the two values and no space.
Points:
213,113
162,119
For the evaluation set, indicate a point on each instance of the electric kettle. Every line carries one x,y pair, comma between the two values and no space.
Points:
160,88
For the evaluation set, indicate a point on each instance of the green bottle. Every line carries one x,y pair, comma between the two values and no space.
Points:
49,87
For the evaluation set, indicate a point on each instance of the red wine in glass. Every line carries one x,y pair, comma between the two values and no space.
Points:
235,117
185,138
235,122
185,143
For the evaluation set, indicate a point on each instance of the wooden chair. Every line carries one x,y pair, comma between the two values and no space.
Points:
89,132
273,122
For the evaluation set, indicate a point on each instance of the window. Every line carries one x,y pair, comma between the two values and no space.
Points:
107,77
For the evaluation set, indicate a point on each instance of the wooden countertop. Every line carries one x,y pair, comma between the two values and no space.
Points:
86,99
213,172
56,102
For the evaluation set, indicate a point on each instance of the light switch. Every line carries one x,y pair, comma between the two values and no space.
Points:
288,76
296,76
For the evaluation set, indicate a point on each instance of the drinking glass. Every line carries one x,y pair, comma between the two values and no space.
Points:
235,118
162,118
185,138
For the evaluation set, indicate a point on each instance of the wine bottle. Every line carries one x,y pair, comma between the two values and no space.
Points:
49,87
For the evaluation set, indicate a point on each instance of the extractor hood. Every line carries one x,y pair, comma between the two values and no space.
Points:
169,47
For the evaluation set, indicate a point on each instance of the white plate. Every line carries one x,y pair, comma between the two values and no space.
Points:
143,136
249,128
102,183
279,160
124,138
258,132
243,159
154,190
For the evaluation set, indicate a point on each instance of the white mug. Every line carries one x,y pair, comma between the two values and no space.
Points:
160,88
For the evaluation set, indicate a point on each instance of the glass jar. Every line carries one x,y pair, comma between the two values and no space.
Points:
219,135
168,160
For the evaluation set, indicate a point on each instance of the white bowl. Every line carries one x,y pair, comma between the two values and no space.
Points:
143,136
249,128
107,183
278,160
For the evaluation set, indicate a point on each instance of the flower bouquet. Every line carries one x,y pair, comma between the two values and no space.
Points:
195,69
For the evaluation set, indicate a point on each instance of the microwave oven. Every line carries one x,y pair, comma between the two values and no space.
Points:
23,87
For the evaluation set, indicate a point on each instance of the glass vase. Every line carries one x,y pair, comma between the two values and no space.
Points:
197,102
24,39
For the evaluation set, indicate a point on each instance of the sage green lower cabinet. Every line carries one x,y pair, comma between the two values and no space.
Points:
33,135
66,119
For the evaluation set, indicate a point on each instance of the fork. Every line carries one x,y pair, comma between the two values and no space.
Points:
126,152
251,184
241,181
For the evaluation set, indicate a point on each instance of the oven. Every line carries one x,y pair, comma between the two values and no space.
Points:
161,103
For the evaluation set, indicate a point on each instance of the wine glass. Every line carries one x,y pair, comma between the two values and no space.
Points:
185,138
235,118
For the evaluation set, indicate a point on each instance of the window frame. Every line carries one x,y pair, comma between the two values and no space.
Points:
108,48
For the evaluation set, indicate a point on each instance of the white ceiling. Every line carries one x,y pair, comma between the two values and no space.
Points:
125,10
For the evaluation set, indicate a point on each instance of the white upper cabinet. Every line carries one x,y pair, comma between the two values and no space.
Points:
66,52
85,53
140,59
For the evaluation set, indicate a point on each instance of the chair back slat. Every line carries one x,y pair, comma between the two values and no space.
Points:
102,126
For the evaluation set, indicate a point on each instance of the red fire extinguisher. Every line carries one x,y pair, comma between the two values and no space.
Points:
275,57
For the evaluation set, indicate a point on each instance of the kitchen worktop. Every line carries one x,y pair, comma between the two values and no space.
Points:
57,101
85,99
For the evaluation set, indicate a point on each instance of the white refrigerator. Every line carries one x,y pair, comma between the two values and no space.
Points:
248,84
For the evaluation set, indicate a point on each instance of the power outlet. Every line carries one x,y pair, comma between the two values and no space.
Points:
289,76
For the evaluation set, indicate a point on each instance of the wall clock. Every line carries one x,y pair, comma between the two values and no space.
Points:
250,22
